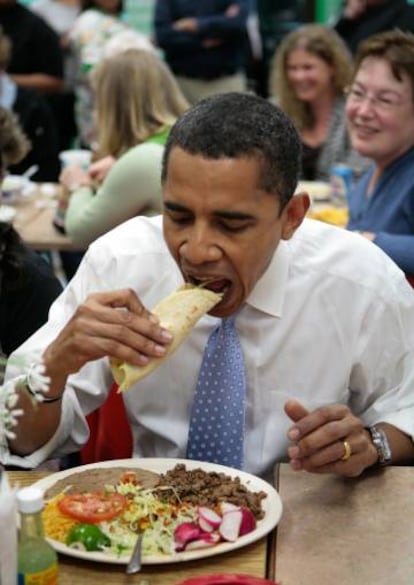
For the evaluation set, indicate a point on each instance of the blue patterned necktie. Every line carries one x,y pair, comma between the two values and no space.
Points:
217,418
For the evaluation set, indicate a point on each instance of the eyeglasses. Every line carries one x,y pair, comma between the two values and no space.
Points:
380,102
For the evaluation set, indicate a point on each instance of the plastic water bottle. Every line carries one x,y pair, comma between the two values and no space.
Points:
37,561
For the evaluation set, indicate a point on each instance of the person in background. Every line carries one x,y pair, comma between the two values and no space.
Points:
36,120
27,283
324,319
36,60
137,102
360,19
276,20
380,111
60,16
310,72
204,44
99,21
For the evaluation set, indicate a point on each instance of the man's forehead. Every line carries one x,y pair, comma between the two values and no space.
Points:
178,156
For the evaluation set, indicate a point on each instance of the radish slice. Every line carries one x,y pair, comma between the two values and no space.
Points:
205,540
248,523
185,533
208,519
228,507
230,525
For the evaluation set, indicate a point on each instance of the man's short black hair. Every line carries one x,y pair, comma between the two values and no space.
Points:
236,125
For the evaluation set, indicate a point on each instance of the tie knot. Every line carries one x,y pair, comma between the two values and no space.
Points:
229,322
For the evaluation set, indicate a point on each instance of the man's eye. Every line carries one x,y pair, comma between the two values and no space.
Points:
233,227
179,218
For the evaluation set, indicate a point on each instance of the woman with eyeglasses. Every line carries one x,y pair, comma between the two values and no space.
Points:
311,69
380,112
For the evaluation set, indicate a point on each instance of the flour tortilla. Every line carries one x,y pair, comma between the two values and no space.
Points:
178,313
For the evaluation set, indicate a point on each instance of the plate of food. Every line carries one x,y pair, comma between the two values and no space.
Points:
186,510
14,187
317,190
329,214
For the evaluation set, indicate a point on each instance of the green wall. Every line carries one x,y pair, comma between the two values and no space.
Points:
327,10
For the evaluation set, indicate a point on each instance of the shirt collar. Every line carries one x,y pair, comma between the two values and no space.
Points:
269,293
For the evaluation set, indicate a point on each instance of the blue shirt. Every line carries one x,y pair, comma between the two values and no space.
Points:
388,211
186,53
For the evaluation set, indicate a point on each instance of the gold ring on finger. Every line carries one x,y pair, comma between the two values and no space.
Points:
347,451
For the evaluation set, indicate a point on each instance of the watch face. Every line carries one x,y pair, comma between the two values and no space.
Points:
380,441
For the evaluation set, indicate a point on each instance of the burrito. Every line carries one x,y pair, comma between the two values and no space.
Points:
178,313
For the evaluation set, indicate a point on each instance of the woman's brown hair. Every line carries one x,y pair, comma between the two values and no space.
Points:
321,41
394,46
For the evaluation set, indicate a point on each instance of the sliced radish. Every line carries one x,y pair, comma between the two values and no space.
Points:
230,525
208,519
185,533
248,523
205,540
228,507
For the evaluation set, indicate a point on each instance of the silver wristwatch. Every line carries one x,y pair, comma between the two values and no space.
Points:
381,444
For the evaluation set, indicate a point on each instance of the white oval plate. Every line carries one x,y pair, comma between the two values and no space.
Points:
272,507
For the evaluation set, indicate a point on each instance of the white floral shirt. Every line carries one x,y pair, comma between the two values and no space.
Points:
89,35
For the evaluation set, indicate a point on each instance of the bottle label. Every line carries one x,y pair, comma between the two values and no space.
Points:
47,577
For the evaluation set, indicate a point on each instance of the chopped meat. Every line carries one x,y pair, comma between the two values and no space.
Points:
204,488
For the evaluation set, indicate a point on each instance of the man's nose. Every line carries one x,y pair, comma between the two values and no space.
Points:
200,247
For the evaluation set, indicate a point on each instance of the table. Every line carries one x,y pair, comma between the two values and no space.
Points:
333,530
249,560
345,531
33,220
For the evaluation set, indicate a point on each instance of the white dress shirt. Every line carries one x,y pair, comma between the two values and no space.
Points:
331,320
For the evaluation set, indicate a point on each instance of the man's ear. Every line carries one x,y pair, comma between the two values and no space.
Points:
294,213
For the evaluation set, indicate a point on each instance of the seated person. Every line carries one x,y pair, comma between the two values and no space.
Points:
35,118
311,69
319,370
380,110
27,283
132,135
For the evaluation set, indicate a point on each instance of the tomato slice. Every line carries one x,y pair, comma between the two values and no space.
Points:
92,507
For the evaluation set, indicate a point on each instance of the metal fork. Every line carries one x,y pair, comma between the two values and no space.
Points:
134,565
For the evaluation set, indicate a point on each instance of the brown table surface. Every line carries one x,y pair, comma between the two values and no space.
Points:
337,531
33,221
250,560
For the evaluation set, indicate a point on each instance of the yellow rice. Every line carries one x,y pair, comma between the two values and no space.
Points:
56,525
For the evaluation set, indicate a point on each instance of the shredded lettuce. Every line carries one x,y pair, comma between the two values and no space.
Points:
145,512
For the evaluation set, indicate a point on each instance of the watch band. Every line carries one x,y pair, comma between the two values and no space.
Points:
380,442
